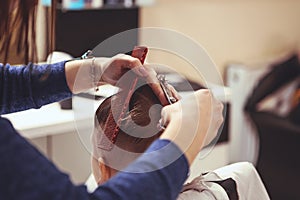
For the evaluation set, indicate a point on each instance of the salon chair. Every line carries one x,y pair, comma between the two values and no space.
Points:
278,162
279,136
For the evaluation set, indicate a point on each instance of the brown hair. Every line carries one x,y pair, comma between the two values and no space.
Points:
138,128
18,22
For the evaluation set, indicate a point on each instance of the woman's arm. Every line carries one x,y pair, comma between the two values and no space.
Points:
31,86
26,174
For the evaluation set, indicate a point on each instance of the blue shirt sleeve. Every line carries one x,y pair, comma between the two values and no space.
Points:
31,86
27,175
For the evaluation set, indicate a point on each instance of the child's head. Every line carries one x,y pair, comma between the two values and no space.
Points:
138,129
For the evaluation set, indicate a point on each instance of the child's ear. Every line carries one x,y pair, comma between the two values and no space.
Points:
104,171
96,169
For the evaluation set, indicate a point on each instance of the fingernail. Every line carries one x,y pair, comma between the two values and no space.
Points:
160,121
143,71
160,125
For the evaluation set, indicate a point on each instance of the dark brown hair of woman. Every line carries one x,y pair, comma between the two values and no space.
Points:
138,128
18,30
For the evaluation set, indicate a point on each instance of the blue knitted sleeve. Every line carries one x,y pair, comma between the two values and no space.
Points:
31,86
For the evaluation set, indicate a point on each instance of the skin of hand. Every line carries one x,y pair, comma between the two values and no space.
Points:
191,121
88,73
155,85
115,67
110,70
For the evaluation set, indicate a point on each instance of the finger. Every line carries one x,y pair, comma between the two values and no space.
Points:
155,85
157,90
174,92
136,71
165,113
140,71
136,65
131,63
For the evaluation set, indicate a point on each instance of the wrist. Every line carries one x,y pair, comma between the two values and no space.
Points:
185,137
80,75
173,132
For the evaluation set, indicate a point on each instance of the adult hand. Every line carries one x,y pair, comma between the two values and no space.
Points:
191,121
85,74
116,67
155,85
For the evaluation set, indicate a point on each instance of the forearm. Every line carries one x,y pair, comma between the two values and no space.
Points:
31,86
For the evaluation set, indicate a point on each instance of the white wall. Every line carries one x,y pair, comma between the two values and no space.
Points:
231,30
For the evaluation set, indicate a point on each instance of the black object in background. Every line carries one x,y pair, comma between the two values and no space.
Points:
80,30
278,161
295,113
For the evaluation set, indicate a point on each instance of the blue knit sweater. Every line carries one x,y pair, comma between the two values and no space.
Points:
26,174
